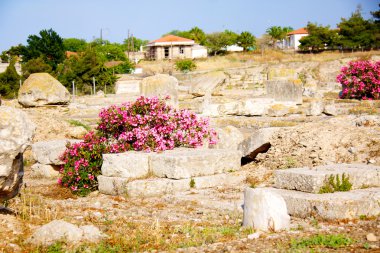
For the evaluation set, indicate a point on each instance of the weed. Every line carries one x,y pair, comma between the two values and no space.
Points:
334,183
290,162
362,217
328,241
366,245
74,122
192,183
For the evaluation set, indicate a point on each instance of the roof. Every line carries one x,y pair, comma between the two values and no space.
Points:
69,54
299,31
171,40
112,64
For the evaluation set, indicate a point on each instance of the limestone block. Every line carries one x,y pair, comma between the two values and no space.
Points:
233,179
312,179
315,108
187,163
330,109
278,110
42,89
254,107
156,187
265,210
257,142
332,206
160,85
16,133
48,152
44,170
207,83
230,108
131,164
112,185
285,90
229,138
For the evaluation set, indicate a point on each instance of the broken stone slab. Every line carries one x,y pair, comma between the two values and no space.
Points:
229,138
44,170
330,109
315,108
207,83
48,152
160,85
161,186
265,210
313,179
257,142
131,164
285,90
254,107
332,206
186,163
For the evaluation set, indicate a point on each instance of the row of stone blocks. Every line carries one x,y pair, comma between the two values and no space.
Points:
300,189
154,174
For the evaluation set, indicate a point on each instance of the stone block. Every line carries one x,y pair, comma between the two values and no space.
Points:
112,185
285,90
160,85
315,108
254,107
156,187
257,142
226,179
332,206
48,152
131,86
186,163
282,74
312,179
265,210
229,138
207,83
131,164
44,170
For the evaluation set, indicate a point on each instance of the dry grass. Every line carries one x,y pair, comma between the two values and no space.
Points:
365,107
280,123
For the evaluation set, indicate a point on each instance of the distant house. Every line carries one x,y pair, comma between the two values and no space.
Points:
293,38
234,48
174,47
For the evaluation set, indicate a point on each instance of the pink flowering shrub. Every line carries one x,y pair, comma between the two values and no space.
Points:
360,80
147,124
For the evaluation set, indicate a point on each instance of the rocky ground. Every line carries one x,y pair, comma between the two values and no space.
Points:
199,220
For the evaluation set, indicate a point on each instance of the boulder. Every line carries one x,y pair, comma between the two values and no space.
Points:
330,110
257,142
265,210
42,89
16,133
48,152
229,138
315,108
207,83
160,85
44,170
59,230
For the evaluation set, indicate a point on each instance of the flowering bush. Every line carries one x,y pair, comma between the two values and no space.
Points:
360,80
147,124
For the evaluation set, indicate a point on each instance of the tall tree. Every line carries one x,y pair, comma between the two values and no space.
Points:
48,45
356,32
278,33
198,35
74,44
319,38
9,81
246,40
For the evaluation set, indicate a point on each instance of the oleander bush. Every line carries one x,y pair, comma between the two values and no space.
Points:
360,80
148,124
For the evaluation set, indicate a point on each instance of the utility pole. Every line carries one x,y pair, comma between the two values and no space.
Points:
73,91
93,82
128,44
101,36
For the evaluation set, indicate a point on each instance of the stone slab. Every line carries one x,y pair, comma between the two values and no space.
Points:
48,152
160,186
332,206
186,163
43,170
312,179
130,164
285,90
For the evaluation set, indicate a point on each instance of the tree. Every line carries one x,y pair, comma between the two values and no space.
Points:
133,44
356,32
319,38
111,52
74,44
198,35
278,33
9,81
217,42
36,65
376,26
48,45
246,40
4,57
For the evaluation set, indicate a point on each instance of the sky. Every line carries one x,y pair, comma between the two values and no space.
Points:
149,19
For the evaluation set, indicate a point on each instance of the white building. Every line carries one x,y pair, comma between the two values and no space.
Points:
294,37
198,51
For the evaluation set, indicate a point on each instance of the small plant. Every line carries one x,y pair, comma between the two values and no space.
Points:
328,241
74,122
360,80
334,183
192,183
185,65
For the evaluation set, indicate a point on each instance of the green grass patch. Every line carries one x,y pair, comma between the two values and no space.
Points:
74,122
327,241
336,184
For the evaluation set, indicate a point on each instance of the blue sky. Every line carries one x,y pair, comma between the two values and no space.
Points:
149,19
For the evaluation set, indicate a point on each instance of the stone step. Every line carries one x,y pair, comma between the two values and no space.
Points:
332,206
313,179
160,186
176,164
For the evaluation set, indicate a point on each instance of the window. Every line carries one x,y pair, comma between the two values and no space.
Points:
166,52
181,50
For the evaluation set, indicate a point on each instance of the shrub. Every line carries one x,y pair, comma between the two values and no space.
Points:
147,124
185,65
335,184
360,80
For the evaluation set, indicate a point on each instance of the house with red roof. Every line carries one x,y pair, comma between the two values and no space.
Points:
294,37
174,47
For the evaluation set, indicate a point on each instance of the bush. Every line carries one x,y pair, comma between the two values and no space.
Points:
360,80
185,65
147,124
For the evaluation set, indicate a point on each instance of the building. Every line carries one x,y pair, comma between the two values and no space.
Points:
174,47
293,38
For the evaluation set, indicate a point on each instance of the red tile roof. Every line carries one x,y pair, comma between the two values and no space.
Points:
69,54
299,31
172,38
